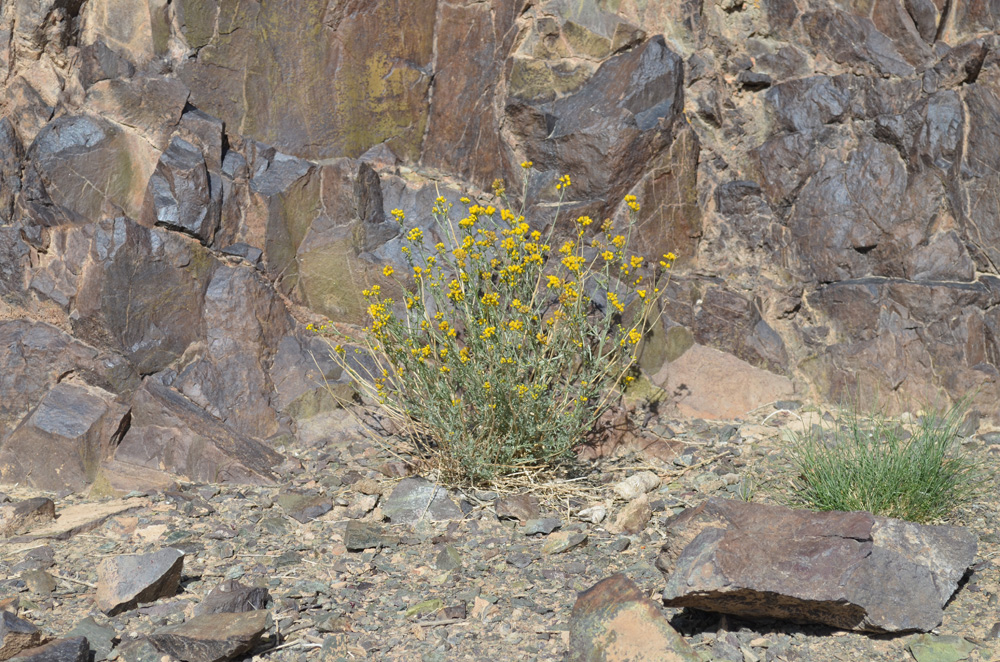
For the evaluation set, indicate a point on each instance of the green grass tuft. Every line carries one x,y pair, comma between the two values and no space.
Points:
871,462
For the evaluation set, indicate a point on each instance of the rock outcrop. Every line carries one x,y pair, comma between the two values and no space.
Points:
182,192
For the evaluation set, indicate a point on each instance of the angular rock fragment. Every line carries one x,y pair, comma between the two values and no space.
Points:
18,517
417,498
60,445
209,637
74,649
563,541
82,518
522,507
100,640
125,581
360,536
171,433
143,650
233,597
16,635
544,525
613,621
634,517
304,508
847,570
181,195
116,478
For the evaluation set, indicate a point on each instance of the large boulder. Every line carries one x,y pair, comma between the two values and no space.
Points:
35,357
61,444
82,168
847,570
172,434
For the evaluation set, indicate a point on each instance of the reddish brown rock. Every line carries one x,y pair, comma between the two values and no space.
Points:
613,621
847,570
170,433
63,441
634,517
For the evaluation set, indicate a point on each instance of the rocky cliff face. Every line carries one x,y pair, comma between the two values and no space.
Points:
184,183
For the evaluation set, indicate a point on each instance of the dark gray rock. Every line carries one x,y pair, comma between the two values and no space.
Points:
846,570
14,259
244,319
171,433
624,112
851,39
99,639
124,582
72,649
181,195
98,62
545,525
233,597
304,508
206,638
34,357
414,499
11,157
80,169
143,292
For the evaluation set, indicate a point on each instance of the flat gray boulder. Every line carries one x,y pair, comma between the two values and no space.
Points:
848,570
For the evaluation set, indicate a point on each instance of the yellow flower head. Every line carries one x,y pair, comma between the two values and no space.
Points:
398,215
415,235
526,164
387,270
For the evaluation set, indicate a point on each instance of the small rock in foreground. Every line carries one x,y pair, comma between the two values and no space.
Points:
99,639
851,570
207,638
940,648
359,536
613,621
60,650
123,582
16,634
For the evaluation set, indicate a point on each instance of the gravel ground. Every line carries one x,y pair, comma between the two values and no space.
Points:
476,588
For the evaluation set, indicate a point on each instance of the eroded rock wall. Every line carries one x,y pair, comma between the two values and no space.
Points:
184,185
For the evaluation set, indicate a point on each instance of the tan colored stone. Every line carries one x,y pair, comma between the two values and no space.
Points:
707,383
614,622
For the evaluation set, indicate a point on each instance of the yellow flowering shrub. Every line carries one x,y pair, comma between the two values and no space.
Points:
505,351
